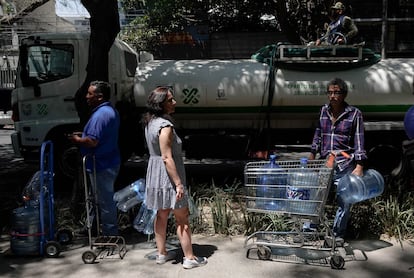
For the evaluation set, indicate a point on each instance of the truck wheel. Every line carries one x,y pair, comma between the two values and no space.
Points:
384,158
66,154
68,160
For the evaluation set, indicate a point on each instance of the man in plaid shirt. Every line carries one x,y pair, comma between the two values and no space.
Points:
340,131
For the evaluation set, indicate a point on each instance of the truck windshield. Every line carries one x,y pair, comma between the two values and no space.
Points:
46,63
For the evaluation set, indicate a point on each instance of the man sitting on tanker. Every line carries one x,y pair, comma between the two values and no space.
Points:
341,30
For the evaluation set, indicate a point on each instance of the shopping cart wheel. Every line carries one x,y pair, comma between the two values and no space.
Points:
88,257
264,252
52,249
64,236
337,262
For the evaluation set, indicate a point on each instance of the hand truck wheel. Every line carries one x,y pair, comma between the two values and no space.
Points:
88,257
52,249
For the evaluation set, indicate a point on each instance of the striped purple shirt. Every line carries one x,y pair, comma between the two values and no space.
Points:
345,134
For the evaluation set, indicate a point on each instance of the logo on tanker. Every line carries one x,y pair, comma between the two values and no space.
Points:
27,109
190,96
42,109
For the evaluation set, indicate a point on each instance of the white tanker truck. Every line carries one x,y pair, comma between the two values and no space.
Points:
225,108
236,107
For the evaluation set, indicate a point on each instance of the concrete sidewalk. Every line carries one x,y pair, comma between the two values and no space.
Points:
226,255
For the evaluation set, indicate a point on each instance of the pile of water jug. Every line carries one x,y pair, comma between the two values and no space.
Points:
297,190
129,197
25,230
281,189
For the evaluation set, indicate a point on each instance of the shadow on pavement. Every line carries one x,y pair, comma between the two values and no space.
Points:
370,245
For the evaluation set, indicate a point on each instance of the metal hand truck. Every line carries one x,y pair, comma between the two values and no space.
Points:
47,243
34,224
300,194
104,245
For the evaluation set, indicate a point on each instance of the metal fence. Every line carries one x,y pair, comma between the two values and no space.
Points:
7,78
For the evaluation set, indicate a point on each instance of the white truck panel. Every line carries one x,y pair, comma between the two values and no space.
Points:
234,93
205,83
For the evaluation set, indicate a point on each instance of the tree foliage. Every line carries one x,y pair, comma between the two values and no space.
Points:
299,20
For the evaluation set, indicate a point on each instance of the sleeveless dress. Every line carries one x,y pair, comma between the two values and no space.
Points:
160,190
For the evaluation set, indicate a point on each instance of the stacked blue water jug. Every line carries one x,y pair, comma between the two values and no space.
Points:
302,188
271,189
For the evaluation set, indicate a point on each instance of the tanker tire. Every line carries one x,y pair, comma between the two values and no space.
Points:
386,159
66,154
69,161
66,165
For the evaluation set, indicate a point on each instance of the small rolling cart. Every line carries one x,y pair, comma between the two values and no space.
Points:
299,192
33,226
101,246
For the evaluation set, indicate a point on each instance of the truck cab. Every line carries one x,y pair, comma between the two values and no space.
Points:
51,69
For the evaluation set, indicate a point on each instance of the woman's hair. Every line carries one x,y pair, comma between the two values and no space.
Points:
154,104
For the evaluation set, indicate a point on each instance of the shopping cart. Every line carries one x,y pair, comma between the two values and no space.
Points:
101,246
300,194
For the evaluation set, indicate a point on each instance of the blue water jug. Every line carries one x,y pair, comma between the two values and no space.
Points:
275,177
353,189
25,239
302,186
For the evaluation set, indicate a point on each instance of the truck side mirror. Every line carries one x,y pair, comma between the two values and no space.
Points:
31,82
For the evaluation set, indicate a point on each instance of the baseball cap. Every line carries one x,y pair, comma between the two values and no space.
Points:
338,6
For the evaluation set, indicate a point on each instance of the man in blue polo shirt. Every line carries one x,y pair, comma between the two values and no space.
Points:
100,138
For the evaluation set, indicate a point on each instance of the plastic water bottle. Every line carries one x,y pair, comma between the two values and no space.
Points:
149,228
353,189
130,191
31,192
137,223
276,178
302,184
143,217
127,204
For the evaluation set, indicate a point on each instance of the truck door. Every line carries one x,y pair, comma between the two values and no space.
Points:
49,75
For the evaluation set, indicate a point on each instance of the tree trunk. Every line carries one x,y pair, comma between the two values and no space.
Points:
104,25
